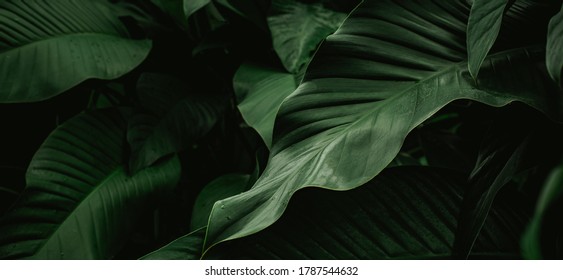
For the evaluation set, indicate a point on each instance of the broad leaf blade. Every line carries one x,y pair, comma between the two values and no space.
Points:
298,28
389,67
79,203
483,28
554,48
60,44
260,92
174,119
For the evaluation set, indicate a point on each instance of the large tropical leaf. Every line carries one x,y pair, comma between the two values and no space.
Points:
405,213
260,92
297,29
79,202
390,66
49,46
173,119
554,48
483,27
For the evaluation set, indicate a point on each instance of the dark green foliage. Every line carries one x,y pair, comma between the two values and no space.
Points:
280,129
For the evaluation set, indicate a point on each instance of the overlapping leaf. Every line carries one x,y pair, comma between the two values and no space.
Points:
260,92
483,27
389,67
79,202
298,28
175,118
47,47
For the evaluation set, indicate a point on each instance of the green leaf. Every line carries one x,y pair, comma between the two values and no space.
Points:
79,203
543,235
483,28
174,119
187,247
47,47
298,28
260,92
405,213
554,48
390,66
252,10
192,6
220,188
494,169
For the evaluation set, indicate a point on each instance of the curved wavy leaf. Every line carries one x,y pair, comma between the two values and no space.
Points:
79,203
175,118
389,67
260,92
298,28
554,48
47,47
483,27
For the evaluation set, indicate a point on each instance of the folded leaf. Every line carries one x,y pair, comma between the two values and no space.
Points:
79,203
390,66
49,46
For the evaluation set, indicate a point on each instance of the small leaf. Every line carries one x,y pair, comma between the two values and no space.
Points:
260,92
298,28
554,48
482,30
48,47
